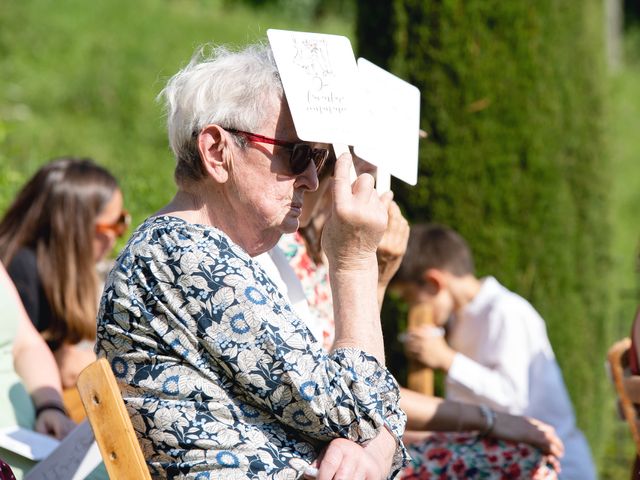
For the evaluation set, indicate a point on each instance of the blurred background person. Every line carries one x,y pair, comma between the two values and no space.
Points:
63,221
30,388
298,267
497,353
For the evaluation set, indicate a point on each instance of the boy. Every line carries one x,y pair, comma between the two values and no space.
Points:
497,352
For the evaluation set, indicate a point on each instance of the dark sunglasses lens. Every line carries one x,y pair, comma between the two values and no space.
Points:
300,158
123,224
320,156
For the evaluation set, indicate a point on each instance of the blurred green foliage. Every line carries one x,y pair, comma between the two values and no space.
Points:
80,78
514,100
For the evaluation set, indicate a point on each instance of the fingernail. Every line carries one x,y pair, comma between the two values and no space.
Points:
311,472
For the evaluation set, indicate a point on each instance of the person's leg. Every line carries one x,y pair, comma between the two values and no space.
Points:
466,455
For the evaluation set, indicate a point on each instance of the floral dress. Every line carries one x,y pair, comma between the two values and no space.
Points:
221,379
447,455
315,283
440,455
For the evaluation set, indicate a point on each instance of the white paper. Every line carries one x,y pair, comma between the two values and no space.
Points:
319,75
27,443
390,122
74,458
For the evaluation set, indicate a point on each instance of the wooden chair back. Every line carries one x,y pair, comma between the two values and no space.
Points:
110,422
627,386
420,378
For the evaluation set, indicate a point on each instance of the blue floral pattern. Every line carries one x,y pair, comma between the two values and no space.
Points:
220,377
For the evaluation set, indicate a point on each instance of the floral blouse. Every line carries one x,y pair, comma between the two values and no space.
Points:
220,378
315,282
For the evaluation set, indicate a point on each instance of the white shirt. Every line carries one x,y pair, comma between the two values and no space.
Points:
505,360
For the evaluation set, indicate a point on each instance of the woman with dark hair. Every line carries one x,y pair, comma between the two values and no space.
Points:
64,220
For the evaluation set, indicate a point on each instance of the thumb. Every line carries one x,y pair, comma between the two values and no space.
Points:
312,470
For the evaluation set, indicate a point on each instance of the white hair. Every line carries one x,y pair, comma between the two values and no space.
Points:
222,87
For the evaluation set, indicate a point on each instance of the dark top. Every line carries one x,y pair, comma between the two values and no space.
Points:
23,270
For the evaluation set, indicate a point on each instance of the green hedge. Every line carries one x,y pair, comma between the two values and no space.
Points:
512,97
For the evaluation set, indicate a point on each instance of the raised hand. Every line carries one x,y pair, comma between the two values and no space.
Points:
392,248
357,222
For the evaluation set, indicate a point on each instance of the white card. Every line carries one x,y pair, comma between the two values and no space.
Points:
319,74
28,443
75,457
390,122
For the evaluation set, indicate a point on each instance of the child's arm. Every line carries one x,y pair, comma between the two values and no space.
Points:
501,380
425,413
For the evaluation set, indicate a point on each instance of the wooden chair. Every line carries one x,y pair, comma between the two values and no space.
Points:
627,386
420,378
73,404
111,424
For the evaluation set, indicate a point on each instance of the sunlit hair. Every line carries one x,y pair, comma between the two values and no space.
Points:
218,86
434,246
54,215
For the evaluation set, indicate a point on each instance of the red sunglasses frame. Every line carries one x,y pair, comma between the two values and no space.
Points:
316,155
119,227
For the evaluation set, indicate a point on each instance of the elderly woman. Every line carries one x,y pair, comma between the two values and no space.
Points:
220,376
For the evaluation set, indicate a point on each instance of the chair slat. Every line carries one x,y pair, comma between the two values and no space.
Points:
626,386
111,424
419,377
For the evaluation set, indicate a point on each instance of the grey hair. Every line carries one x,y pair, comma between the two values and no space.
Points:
218,86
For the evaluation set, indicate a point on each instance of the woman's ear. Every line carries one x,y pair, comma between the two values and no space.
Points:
213,146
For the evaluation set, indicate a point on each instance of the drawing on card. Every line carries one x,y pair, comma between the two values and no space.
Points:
312,57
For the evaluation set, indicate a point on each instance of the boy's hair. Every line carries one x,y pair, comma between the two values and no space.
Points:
435,246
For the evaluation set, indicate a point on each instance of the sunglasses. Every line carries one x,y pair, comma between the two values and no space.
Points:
302,154
118,228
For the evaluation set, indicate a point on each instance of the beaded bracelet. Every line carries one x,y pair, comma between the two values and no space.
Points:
50,406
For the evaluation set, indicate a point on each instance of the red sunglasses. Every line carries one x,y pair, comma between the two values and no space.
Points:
302,154
118,228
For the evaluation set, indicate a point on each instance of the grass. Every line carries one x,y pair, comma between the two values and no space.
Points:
81,77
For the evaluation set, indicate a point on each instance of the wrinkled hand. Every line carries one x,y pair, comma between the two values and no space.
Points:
343,459
55,423
357,222
427,346
393,245
529,430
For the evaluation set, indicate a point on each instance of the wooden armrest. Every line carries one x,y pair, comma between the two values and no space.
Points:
419,377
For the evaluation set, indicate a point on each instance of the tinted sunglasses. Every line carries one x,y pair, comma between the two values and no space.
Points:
118,228
302,154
